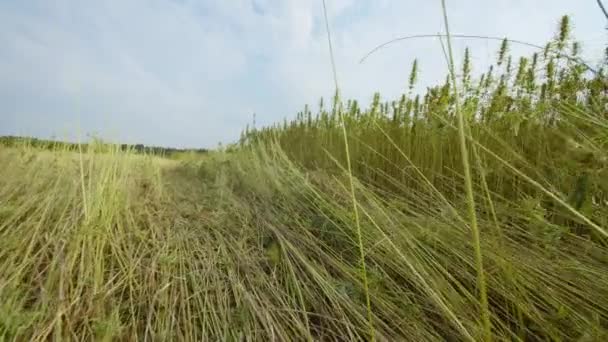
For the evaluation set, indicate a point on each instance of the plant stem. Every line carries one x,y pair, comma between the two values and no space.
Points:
481,281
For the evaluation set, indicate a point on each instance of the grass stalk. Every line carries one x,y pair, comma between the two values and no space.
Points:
363,267
481,280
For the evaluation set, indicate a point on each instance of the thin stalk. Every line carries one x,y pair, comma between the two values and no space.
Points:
372,334
84,193
481,280
569,57
599,3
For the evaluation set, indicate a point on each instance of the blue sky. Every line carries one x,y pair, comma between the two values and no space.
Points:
189,73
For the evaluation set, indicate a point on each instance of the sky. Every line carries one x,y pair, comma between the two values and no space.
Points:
188,73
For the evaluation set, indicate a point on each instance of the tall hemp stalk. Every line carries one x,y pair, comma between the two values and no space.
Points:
372,334
481,280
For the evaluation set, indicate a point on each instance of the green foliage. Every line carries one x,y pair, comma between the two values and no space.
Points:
537,127
95,145
507,113
413,75
503,52
564,32
466,69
